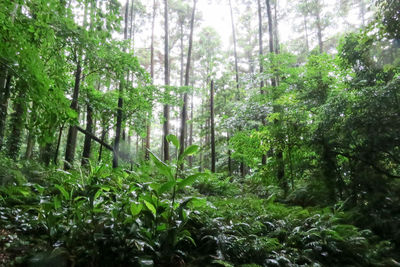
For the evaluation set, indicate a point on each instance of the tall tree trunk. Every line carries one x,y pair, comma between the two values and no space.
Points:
278,152
229,156
30,139
306,33
191,129
4,96
319,30
166,73
260,53
185,95
235,52
103,137
120,100
58,145
17,123
276,39
212,127
87,145
362,11
148,139
72,132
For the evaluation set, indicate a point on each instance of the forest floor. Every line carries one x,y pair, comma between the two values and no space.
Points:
99,217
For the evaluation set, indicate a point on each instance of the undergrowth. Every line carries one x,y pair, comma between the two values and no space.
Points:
154,216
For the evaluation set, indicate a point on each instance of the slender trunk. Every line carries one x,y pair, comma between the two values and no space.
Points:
120,100
17,123
319,31
88,141
185,96
166,72
235,52
191,130
181,57
58,145
306,33
148,139
229,156
276,39
103,137
212,126
72,132
5,95
362,12
278,153
260,53
30,139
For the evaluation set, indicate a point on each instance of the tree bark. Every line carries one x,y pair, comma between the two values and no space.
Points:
87,145
235,52
185,95
17,123
58,145
120,100
319,29
212,127
191,130
278,152
260,53
166,73
72,132
5,95
148,126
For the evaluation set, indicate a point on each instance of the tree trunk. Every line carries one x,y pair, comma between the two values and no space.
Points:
212,127
191,130
235,52
260,53
5,95
148,130
30,139
103,137
58,145
87,145
278,153
229,156
185,96
319,30
120,100
17,123
72,132
166,72
306,33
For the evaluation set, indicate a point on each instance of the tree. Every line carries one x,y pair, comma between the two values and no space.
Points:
166,81
185,96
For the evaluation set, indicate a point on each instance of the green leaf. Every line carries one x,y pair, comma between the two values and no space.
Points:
150,207
166,187
136,208
173,139
190,150
63,191
162,167
190,180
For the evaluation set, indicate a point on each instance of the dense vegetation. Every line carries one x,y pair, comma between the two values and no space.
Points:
289,157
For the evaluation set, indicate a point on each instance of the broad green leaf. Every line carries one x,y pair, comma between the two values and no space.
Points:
150,207
63,191
166,187
189,180
190,150
162,167
136,208
173,139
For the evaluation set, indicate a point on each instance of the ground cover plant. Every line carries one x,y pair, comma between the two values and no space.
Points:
154,133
